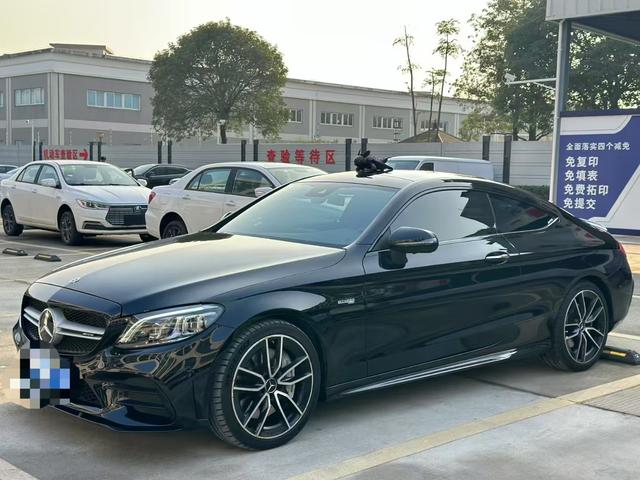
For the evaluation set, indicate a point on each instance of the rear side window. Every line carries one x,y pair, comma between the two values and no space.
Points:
29,174
175,170
515,216
427,167
212,181
247,181
450,214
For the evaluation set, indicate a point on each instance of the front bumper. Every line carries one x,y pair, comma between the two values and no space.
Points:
158,388
101,222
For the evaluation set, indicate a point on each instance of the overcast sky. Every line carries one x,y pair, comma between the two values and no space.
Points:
341,41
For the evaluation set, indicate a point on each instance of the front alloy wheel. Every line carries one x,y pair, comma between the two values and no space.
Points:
264,394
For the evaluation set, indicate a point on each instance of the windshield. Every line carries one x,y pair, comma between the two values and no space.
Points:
142,169
95,174
403,164
291,174
332,214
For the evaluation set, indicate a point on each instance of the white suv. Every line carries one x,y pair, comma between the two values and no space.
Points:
202,197
75,198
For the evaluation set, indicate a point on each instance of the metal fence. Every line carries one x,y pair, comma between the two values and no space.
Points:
530,162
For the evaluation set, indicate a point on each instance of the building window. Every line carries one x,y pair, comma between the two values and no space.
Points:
119,101
424,126
295,115
387,122
29,96
339,119
1,99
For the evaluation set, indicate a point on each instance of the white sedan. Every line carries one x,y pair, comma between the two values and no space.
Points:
204,196
76,198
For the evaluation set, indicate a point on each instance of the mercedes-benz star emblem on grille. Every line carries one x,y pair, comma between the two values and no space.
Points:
47,328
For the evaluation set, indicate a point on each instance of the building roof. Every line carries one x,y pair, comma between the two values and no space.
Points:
619,19
103,51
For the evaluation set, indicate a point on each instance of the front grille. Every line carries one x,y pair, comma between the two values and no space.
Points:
127,216
85,317
77,332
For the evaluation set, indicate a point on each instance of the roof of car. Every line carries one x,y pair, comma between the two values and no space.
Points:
419,158
401,178
267,165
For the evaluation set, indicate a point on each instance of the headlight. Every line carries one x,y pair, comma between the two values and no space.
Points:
166,326
93,205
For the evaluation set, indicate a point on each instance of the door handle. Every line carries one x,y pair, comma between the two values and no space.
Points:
34,191
186,197
497,258
230,203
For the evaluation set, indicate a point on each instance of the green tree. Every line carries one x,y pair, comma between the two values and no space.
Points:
432,82
605,73
513,37
482,121
448,47
406,41
218,76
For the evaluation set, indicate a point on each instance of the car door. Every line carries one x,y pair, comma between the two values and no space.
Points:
550,255
155,176
202,202
21,194
451,303
244,183
46,199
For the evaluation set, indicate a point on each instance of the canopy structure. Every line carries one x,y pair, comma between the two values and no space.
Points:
618,19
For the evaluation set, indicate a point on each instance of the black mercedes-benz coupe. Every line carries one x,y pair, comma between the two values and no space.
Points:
327,287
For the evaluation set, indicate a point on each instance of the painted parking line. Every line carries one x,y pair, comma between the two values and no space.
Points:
9,472
625,335
428,442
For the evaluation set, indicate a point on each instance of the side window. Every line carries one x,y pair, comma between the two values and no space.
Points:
29,174
158,171
214,180
427,166
48,173
450,214
515,216
175,170
247,181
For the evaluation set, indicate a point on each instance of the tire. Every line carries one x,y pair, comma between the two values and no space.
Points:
580,331
68,231
147,238
258,405
174,228
11,228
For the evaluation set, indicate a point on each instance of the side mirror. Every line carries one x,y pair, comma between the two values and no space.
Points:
413,240
173,180
49,182
142,182
260,191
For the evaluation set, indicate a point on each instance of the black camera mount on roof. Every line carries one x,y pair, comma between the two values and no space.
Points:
367,165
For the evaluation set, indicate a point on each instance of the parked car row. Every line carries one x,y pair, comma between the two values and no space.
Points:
82,198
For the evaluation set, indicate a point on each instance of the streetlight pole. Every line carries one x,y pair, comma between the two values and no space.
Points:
33,139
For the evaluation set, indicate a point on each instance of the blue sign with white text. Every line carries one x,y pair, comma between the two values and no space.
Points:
594,168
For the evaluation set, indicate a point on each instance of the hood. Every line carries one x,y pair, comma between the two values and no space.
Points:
188,270
114,195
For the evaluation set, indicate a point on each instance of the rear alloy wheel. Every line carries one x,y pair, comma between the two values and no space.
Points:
265,385
11,227
581,333
174,228
68,230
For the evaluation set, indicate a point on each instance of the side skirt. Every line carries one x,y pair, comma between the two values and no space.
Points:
434,372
